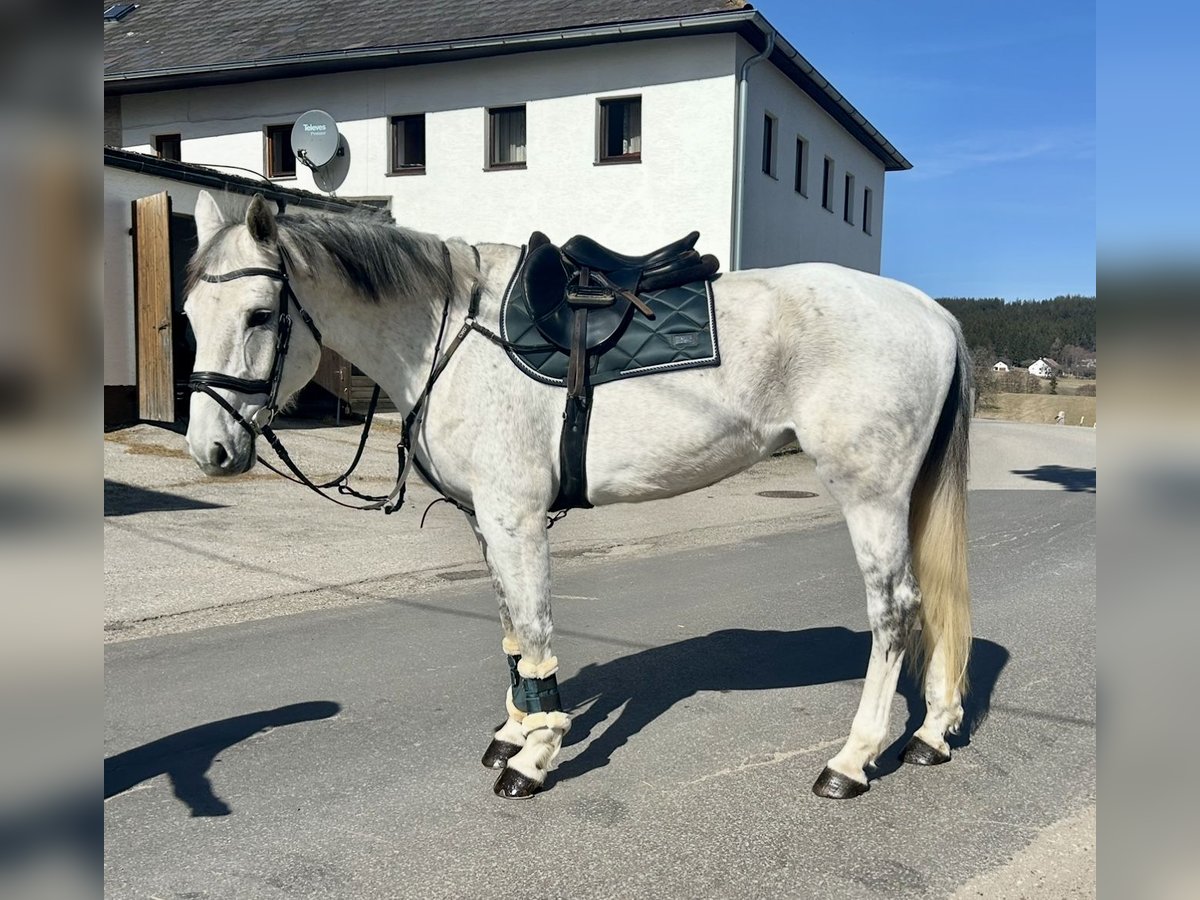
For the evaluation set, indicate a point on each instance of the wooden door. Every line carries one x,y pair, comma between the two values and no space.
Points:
152,302
333,374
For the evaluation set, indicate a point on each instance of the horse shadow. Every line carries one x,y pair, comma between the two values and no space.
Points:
1068,477
651,681
185,757
121,499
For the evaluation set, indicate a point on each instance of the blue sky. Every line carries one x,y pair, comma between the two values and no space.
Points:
995,106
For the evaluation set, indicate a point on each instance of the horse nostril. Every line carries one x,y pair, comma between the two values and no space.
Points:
218,455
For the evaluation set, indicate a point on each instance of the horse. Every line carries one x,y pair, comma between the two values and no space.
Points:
869,375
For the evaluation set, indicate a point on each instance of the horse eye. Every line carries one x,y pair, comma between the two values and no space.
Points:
259,317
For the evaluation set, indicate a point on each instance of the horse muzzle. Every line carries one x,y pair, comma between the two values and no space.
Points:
219,458
220,446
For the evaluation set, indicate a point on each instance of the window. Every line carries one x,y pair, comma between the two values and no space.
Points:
373,202
769,123
281,159
506,137
408,145
848,200
827,185
168,146
801,167
621,130
867,210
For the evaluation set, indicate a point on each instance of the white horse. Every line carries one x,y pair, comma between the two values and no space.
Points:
870,375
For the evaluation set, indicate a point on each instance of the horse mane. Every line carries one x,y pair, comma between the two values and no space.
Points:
366,249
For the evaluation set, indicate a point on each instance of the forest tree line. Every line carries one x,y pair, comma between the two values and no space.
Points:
1028,329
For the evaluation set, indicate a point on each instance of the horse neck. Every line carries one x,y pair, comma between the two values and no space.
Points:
392,339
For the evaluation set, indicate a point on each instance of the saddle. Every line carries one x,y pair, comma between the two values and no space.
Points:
582,296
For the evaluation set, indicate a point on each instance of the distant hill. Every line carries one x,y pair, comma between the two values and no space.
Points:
1026,329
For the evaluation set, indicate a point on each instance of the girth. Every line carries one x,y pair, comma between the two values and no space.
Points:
582,296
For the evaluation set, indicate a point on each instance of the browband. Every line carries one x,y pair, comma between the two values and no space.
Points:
277,274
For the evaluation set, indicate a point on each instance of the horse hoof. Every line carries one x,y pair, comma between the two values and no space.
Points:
498,754
515,786
836,786
919,753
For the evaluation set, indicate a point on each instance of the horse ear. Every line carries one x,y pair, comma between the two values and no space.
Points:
260,220
209,218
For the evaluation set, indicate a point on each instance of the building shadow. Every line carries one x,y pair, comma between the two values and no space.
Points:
651,681
185,757
1070,479
121,499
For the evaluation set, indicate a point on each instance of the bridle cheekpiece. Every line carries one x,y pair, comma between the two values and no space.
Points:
207,381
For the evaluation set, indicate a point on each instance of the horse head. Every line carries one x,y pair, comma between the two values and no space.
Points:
249,358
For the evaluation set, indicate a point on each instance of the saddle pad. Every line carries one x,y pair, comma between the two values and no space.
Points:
682,335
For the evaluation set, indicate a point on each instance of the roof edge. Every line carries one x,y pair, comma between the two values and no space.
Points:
206,176
416,54
792,63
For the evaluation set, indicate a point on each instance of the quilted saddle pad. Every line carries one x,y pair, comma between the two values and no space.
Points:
682,335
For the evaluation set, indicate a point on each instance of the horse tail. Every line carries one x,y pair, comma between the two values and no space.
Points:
938,532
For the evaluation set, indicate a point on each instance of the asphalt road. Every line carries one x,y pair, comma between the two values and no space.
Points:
334,753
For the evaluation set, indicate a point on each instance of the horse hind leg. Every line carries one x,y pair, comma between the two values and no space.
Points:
944,714
939,538
881,543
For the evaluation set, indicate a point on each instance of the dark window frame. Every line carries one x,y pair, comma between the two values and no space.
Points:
827,185
491,156
770,143
801,177
272,133
868,210
603,108
848,191
394,147
162,140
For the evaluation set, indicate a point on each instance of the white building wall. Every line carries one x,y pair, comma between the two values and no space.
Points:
683,182
781,226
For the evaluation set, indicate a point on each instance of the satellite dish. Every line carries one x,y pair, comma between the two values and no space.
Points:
315,138
318,144
330,176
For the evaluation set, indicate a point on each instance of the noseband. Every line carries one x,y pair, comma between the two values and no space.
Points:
206,381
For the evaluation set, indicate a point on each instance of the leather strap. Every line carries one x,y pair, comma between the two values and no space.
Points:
221,380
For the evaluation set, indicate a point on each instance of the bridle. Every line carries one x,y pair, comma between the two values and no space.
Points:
260,422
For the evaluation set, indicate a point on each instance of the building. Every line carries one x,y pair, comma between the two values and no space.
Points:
1000,366
1045,368
634,121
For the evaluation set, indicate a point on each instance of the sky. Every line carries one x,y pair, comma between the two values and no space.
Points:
995,106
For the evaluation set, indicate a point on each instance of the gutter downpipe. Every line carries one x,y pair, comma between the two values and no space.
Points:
735,250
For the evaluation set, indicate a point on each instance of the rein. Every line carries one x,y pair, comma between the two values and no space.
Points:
260,422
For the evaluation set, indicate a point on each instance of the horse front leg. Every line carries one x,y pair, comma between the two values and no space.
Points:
509,738
518,551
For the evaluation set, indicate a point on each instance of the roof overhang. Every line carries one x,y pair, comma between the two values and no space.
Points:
208,177
748,23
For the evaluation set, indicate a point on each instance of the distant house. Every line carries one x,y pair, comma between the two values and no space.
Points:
1045,368
1000,366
